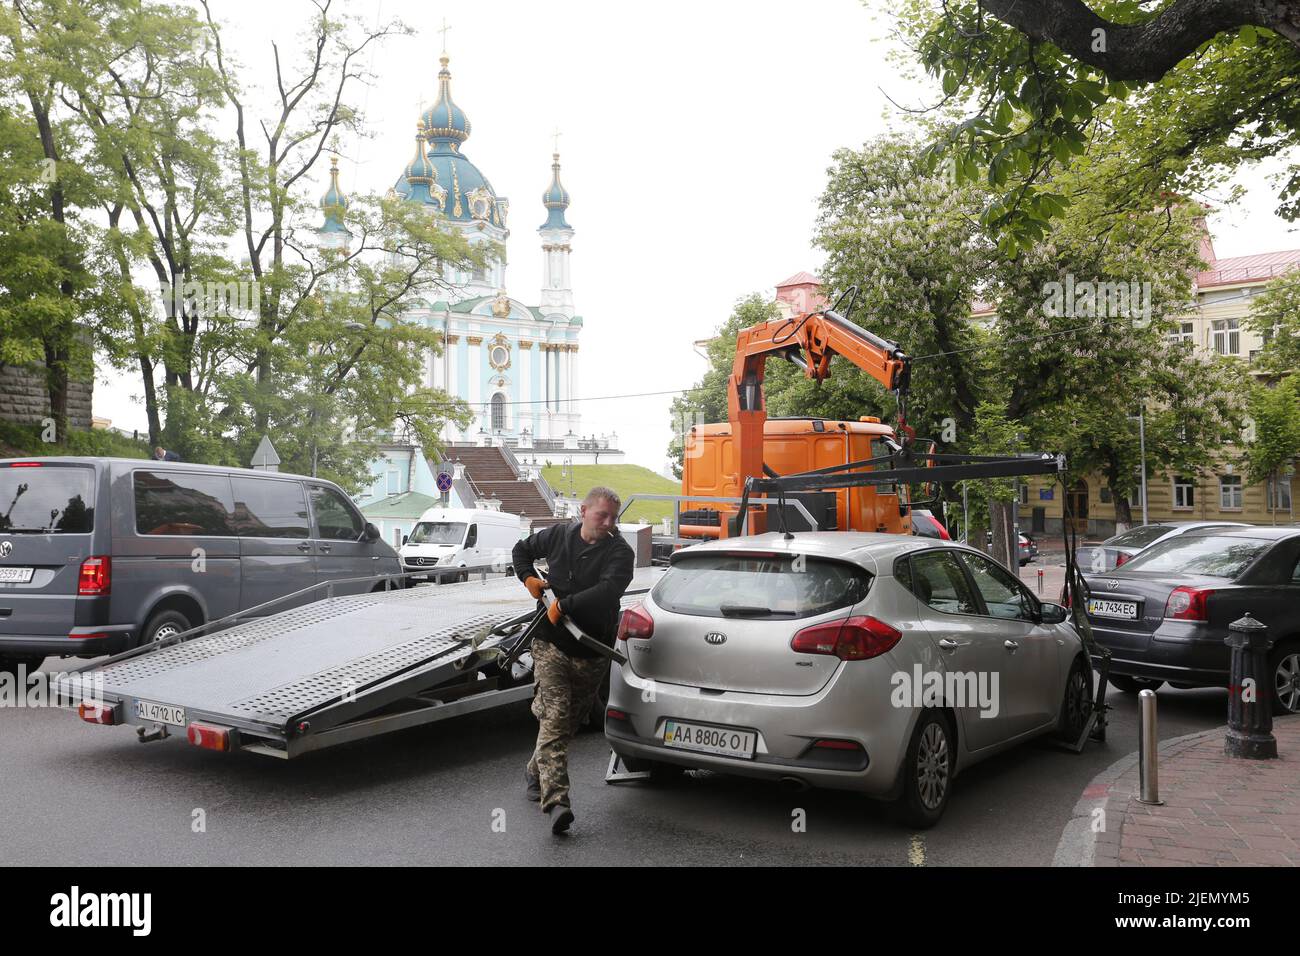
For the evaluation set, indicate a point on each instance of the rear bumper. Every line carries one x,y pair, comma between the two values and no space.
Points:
1178,653
80,642
786,728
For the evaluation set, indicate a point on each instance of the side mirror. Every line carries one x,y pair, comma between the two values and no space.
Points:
1054,614
371,533
405,538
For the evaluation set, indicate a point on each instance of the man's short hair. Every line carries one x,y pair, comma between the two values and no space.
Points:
601,492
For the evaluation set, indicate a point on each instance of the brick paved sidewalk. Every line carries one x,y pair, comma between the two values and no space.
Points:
1217,810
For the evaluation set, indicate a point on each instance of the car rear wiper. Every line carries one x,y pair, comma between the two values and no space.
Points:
750,610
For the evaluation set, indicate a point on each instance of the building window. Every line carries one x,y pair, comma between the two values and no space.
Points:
1227,338
1184,333
1105,496
1184,493
1024,494
394,480
498,411
1279,494
1229,492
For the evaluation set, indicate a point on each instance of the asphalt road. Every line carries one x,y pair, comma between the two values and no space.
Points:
452,793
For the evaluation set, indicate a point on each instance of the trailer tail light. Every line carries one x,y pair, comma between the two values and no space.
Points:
95,577
1189,604
636,624
852,639
97,712
209,736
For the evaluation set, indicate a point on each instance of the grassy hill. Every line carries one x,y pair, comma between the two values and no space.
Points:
626,480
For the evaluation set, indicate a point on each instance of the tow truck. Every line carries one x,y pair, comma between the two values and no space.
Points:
343,668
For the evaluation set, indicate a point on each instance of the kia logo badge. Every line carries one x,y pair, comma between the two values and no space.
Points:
715,637
6,549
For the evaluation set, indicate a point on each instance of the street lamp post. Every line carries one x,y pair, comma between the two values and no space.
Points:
1142,447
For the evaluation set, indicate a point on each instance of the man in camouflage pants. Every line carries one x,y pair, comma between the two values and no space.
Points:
589,566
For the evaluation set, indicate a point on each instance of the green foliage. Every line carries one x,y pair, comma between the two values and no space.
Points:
26,441
627,480
1275,412
1275,315
1016,112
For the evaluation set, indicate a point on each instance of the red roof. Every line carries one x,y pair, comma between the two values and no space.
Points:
1256,268
800,278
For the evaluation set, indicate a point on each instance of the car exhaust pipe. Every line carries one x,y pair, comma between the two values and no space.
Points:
795,785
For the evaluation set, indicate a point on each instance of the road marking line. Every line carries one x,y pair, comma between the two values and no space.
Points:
916,852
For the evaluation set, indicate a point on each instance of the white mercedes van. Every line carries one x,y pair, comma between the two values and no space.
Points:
456,541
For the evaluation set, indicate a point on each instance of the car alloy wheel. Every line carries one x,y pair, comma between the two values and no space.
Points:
1286,681
1076,707
932,766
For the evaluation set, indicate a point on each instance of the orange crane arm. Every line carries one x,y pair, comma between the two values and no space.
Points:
809,340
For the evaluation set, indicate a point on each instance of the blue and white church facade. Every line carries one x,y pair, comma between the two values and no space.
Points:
515,364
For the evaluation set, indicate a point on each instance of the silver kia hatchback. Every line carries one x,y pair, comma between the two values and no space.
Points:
880,663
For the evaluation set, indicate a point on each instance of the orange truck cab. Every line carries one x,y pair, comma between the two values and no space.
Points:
790,446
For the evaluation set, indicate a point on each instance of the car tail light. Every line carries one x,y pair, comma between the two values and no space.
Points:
837,744
636,624
95,577
97,712
852,639
26,464
613,714
209,736
1188,604
1120,558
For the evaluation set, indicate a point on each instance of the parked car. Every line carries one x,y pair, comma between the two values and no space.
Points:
1115,551
1026,547
802,661
1165,613
98,555
925,524
457,541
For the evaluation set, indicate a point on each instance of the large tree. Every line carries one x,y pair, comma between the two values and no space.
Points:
1205,85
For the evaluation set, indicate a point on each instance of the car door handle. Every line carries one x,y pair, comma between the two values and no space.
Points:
948,644
375,557
1012,646
304,547
325,549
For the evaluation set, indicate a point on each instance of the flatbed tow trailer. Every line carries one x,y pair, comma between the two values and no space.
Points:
340,669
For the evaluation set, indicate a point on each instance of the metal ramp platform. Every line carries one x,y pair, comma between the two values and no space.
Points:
339,669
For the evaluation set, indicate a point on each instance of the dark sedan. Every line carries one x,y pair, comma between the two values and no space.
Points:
1165,614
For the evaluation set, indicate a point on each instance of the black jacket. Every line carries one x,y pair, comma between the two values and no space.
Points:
589,588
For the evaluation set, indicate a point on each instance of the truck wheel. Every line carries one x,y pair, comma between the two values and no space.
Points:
163,624
927,771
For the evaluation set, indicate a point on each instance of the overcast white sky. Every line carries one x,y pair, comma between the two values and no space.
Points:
696,138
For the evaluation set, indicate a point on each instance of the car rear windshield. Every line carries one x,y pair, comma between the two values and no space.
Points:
1215,555
438,532
47,499
1138,537
759,587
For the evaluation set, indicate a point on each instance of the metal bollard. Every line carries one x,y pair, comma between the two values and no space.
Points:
1250,692
1040,580
1148,749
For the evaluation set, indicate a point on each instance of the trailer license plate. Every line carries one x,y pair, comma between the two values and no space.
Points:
160,713
1128,610
16,575
709,740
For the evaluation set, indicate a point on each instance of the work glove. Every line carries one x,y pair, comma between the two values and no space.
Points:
553,613
535,587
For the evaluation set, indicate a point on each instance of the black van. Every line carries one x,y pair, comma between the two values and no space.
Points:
98,555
